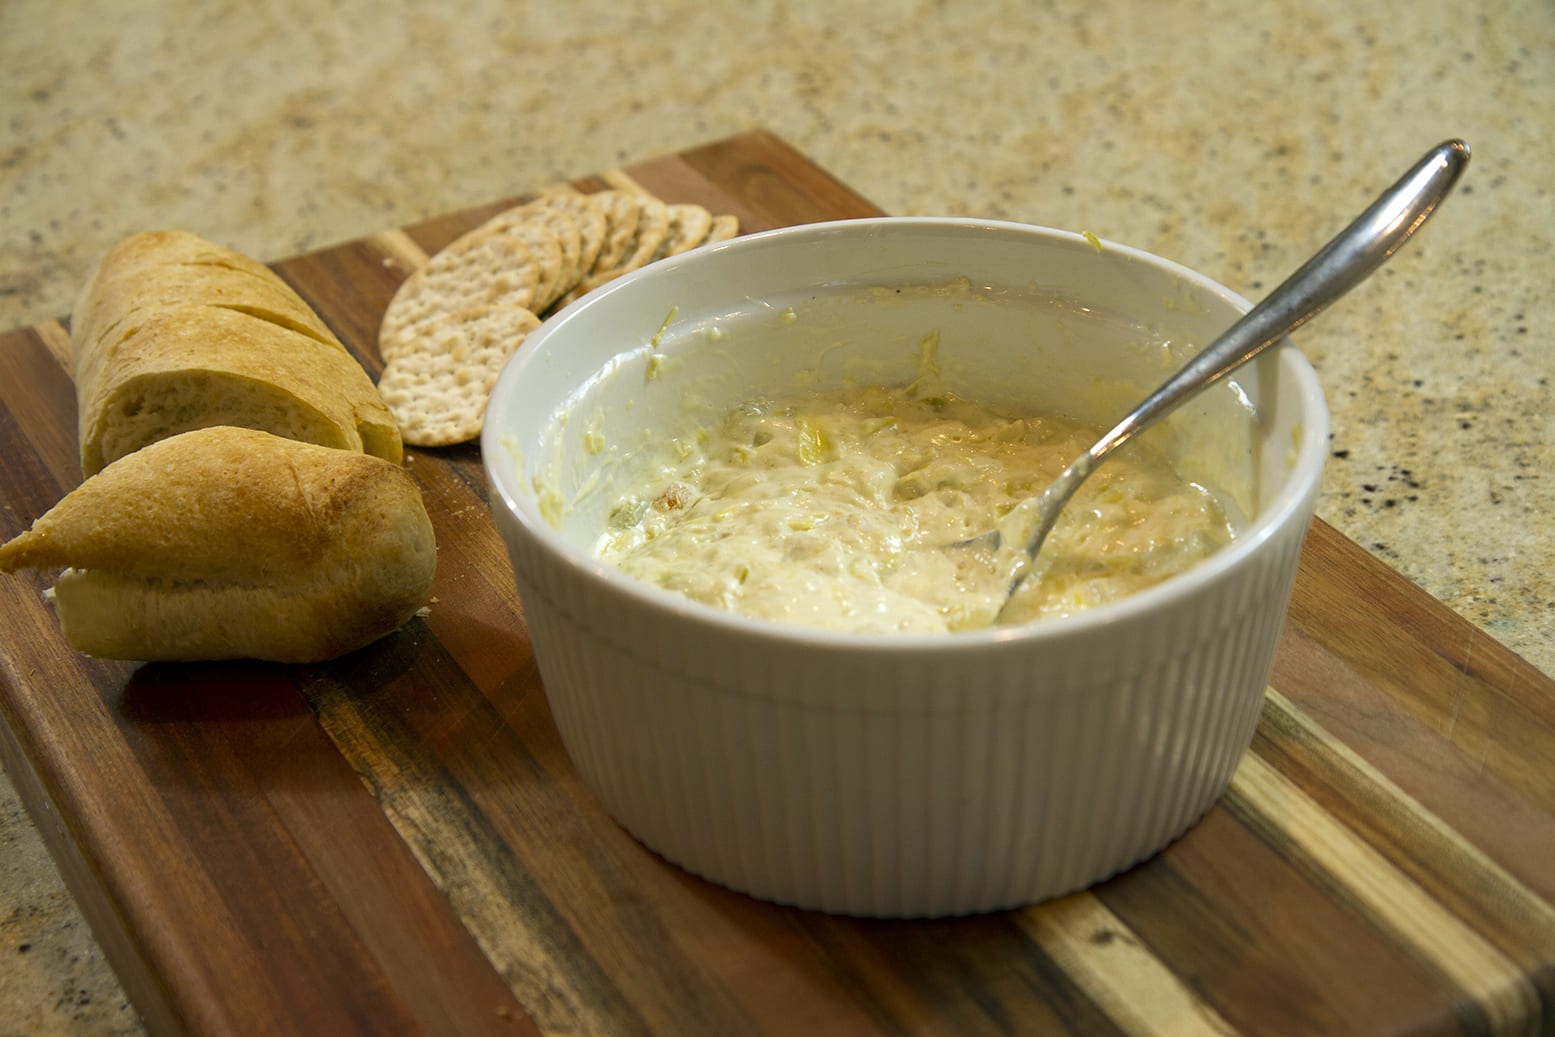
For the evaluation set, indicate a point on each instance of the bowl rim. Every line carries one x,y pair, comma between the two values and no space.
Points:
1302,484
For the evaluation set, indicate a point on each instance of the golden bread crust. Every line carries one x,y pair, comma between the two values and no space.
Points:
228,543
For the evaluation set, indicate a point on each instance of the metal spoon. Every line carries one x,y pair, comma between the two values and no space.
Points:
1343,263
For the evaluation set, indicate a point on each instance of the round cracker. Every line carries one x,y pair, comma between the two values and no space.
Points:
592,226
547,249
586,218
532,220
653,224
647,237
562,224
513,265
483,267
724,227
579,226
481,271
622,211
437,391
688,227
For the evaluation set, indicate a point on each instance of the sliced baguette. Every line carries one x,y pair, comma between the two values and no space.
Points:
226,543
173,332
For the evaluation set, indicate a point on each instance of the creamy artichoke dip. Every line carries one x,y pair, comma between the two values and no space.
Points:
836,510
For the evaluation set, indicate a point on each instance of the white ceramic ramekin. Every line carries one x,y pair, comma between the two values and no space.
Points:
913,775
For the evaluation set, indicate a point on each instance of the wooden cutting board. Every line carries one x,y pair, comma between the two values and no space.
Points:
396,843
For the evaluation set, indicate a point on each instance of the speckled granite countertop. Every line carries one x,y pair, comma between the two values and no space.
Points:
1232,137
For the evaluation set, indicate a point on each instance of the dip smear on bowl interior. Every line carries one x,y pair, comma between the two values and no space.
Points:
841,510
812,460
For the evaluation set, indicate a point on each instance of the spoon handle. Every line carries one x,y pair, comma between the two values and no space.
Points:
1342,264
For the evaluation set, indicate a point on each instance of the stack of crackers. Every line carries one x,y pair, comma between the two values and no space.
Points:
455,321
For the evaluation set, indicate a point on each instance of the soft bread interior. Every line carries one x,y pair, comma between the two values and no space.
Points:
157,406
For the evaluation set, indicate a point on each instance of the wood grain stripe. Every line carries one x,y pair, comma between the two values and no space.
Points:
1281,811
1458,870
54,335
1263,943
398,248
1117,971
622,181
1482,810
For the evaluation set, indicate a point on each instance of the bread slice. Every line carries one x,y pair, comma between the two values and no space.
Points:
192,367
174,332
225,543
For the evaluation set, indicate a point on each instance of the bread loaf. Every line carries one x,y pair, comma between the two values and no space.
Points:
225,543
174,333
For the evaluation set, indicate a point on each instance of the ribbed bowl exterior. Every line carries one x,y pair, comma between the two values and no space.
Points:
901,783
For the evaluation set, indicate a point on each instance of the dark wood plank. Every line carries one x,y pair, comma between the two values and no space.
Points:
778,185
396,842
241,761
